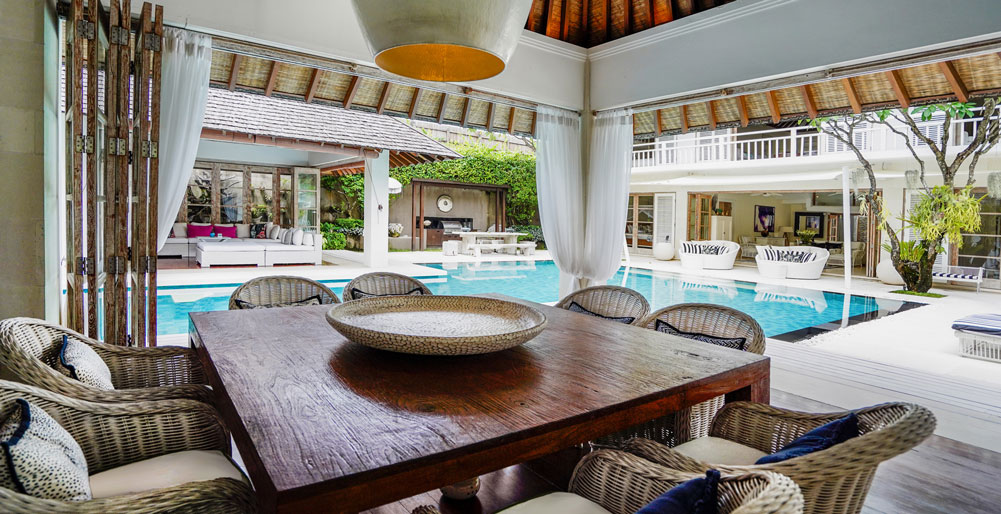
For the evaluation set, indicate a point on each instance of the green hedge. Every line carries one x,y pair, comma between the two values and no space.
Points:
485,165
333,240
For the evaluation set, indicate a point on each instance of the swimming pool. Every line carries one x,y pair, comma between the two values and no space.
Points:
788,313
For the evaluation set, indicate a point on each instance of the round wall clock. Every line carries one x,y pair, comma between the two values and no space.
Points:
445,203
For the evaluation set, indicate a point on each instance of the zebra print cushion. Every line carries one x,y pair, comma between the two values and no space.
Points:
576,307
960,276
358,294
41,458
737,343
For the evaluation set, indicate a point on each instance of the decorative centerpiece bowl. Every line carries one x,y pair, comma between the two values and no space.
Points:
436,325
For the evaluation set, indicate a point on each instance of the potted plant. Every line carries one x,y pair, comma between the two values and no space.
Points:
806,236
395,229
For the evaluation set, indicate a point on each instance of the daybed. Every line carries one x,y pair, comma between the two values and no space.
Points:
979,336
709,254
290,246
801,262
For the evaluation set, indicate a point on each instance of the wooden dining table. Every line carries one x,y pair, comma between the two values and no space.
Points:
326,425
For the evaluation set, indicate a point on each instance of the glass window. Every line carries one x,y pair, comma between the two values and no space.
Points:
285,184
199,196
261,197
231,197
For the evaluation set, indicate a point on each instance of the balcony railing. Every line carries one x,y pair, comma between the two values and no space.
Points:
796,142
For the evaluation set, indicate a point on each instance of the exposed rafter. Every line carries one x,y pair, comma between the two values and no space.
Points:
414,100
272,78
742,111
811,105
349,96
381,106
773,106
684,119
234,71
958,87
711,110
852,93
593,22
314,81
510,120
490,116
660,123
441,108
466,104
898,88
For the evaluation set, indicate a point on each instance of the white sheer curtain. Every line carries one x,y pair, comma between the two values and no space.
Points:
560,187
607,194
187,61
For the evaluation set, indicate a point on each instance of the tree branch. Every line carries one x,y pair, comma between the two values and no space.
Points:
939,152
907,141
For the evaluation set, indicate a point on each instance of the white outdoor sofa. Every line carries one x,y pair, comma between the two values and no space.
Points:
801,262
180,245
292,246
708,254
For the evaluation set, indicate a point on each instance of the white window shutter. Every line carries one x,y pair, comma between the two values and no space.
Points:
663,220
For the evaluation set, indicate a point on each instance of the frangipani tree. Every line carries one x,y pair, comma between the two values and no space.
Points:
944,211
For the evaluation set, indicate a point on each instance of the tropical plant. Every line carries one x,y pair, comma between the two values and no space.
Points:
349,193
534,234
332,240
806,236
942,212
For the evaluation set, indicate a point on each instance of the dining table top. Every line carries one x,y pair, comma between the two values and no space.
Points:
322,421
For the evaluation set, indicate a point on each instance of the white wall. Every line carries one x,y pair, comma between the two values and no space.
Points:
751,40
541,69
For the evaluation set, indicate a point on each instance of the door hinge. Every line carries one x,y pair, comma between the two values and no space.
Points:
84,144
149,149
84,29
119,36
116,146
151,41
116,265
85,266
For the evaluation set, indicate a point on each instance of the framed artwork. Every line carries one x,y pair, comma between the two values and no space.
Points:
764,219
811,220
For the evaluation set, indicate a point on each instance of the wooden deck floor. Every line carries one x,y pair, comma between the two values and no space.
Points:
941,475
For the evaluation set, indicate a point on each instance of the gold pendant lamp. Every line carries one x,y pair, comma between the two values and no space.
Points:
442,40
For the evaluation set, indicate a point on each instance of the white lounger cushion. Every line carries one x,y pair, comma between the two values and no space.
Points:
288,248
557,503
230,246
716,450
162,472
297,237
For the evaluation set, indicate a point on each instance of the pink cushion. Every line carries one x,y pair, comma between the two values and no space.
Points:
200,230
225,231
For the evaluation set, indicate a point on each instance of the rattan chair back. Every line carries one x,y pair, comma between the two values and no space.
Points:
279,289
115,435
713,320
29,352
612,301
383,284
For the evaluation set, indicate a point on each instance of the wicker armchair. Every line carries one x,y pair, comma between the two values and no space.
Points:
29,350
113,435
623,483
612,301
266,291
835,480
693,422
384,284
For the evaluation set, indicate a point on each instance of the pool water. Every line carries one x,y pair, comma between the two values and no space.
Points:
789,313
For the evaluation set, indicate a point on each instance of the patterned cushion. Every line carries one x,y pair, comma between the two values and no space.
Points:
576,307
259,231
358,294
737,343
80,362
960,276
41,459
312,300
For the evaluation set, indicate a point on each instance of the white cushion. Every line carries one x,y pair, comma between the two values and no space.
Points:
243,230
716,450
307,239
180,230
201,224
287,237
229,246
79,361
297,236
273,232
288,248
556,503
164,471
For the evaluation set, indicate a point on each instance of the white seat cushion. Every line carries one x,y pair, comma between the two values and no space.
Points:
289,248
229,246
557,503
162,472
716,450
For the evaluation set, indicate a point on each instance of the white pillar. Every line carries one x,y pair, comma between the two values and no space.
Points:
377,211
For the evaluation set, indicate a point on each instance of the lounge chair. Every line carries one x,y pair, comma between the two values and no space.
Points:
280,291
800,262
979,336
709,254
382,284
615,482
622,303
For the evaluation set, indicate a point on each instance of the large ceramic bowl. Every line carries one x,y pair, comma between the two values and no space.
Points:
436,325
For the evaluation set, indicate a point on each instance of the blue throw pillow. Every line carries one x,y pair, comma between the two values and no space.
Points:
820,438
696,496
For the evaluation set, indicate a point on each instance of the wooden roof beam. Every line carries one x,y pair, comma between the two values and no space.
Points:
234,70
684,119
660,124
490,116
811,106
958,87
535,117
566,21
441,107
554,16
314,81
414,101
853,97
773,106
465,112
711,109
661,11
742,110
349,95
584,35
898,88
510,120
381,106
272,78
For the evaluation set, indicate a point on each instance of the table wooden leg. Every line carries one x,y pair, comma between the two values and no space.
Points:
758,391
